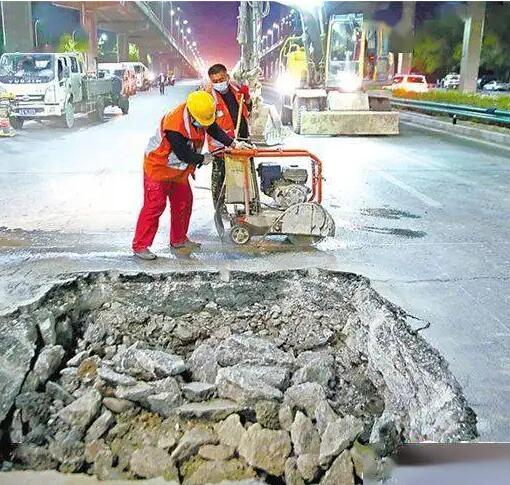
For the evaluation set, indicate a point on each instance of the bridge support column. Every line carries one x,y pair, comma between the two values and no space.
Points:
89,24
17,26
122,47
405,59
471,46
405,62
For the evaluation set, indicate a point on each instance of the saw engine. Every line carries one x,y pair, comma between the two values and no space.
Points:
286,185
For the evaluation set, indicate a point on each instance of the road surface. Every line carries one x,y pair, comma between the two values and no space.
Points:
424,216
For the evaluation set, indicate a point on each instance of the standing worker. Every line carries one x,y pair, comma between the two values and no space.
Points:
171,156
228,97
162,82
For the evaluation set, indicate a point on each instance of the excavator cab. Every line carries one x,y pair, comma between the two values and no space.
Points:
344,66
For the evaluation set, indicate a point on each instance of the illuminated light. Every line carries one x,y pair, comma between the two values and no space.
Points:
286,83
348,81
269,32
172,12
185,22
188,30
194,44
177,22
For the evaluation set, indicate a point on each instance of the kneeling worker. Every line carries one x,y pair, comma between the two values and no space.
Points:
171,156
227,95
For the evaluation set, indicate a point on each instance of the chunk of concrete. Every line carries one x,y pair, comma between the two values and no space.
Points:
266,449
81,412
338,436
244,350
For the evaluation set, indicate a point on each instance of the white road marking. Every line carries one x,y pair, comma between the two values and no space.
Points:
424,198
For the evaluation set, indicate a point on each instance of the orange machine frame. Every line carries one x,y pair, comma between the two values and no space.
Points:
246,154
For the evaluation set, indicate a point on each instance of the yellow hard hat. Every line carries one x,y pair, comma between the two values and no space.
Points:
202,107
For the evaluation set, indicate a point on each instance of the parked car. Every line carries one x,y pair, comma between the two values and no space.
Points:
483,80
410,82
451,81
496,86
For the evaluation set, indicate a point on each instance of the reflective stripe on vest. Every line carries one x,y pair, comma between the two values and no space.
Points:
156,139
173,161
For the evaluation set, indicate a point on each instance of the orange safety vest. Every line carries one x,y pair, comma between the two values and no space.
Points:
223,118
160,162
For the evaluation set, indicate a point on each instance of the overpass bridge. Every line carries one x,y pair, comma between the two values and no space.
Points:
142,23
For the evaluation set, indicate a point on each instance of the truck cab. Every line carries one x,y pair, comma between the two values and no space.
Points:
44,84
55,85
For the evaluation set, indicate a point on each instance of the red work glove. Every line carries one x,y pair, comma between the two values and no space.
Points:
245,89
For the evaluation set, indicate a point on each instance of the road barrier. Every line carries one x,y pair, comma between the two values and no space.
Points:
455,110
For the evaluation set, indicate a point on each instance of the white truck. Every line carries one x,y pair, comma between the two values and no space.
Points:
55,86
141,73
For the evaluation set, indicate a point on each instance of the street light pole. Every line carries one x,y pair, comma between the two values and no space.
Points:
36,36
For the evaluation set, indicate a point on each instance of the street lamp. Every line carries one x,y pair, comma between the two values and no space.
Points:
36,37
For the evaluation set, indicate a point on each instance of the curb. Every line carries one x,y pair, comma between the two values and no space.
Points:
472,133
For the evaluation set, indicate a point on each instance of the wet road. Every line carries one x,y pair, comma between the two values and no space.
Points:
424,216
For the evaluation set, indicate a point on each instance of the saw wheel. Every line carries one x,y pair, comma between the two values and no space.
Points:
303,240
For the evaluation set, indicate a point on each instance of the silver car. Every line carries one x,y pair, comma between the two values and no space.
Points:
496,86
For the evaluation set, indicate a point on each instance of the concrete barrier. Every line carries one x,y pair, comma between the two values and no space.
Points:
349,123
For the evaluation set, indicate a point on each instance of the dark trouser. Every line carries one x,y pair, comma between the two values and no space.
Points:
162,88
217,180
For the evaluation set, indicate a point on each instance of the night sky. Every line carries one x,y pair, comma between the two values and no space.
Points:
214,24
216,27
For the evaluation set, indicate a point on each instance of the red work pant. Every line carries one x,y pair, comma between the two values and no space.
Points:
154,203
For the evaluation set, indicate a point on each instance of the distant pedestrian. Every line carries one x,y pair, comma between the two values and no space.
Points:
162,83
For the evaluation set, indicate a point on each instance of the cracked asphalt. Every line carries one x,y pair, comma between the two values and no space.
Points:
423,215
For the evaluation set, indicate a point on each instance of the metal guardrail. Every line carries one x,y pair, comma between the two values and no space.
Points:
455,110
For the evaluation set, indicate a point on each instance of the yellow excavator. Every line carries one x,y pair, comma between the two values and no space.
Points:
327,76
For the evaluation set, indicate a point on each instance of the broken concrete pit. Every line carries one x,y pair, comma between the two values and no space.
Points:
272,378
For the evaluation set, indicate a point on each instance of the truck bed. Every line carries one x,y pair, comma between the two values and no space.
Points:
93,87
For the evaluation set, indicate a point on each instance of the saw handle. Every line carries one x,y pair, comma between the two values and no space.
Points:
239,114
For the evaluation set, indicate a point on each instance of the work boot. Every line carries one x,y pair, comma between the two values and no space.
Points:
145,254
186,244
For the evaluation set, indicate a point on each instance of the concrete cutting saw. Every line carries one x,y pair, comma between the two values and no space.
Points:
296,193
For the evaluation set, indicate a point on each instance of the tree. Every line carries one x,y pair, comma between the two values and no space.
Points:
69,43
438,42
134,53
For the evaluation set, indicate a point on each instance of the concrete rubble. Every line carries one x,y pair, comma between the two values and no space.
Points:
271,378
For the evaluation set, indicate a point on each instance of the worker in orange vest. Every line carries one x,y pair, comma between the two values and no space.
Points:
227,95
171,156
